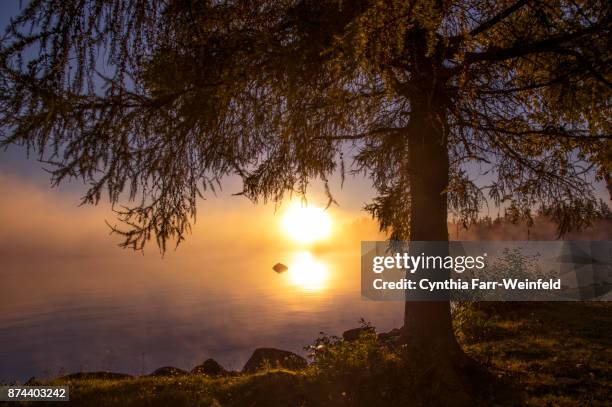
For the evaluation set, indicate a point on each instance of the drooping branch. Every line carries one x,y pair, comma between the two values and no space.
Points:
498,17
550,44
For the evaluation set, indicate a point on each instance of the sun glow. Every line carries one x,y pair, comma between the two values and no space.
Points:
306,224
308,273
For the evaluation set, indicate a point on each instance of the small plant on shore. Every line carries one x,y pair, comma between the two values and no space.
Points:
473,321
331,354
470,321
363,371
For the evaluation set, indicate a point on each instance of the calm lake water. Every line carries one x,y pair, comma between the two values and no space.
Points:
131,313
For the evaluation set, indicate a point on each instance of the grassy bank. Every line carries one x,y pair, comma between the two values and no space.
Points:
553,354
537,354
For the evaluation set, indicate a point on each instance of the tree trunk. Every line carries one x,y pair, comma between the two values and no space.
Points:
428,324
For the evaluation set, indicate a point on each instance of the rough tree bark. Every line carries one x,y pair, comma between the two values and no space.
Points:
428,323
428,330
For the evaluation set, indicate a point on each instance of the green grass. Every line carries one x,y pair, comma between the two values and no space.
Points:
539,354
557,354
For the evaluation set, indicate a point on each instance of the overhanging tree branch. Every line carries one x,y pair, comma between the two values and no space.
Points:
551,44
498,18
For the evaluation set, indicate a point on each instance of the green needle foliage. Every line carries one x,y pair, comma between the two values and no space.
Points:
157,101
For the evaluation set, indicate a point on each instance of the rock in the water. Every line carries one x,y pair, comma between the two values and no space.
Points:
210,367
353,334
169,371
275,358
97,375
280,268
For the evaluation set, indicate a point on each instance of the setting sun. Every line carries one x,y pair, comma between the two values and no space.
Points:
306,224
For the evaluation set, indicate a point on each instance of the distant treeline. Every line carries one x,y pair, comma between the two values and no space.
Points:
506,226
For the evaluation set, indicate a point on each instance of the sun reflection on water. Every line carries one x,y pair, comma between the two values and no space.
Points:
308,273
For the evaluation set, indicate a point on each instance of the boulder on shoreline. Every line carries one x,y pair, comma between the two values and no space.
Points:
353,334
275,358
391,335
210,367
168,371
391,339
